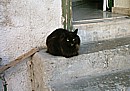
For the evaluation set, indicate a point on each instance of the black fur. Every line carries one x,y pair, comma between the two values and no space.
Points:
61,42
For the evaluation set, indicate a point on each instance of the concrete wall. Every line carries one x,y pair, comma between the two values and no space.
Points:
25,24
121,7
122,3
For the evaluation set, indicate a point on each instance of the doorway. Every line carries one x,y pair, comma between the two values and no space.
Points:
86,9
92,9
74,11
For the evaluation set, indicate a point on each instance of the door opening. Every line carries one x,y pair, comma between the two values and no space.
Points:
92,9
74,11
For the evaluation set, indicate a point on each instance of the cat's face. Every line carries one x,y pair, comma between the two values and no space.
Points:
72,39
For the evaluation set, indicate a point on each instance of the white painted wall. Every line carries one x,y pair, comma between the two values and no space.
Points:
25,24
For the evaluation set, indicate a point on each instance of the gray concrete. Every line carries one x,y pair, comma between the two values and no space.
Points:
100,70
119,81
103,45
103,29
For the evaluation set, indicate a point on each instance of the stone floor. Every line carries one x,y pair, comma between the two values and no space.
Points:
119,81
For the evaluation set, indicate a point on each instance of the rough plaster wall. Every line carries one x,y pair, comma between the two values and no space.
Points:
25,24
122,3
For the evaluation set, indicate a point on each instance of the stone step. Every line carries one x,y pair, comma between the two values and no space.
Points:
96,46
119,81
67,74
102,29
104,52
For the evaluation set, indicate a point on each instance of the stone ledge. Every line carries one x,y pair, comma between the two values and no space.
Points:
54,70
108,29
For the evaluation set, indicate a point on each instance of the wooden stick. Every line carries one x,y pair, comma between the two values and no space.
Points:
19,59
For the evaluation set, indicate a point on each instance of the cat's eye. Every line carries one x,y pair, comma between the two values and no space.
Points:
73,39
68,40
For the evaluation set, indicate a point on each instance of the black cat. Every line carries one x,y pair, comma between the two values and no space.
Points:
61,42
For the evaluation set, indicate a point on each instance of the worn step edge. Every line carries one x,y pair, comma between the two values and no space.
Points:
117,28
106,20
56,69
96,46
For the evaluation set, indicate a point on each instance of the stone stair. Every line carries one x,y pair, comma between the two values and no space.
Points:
118,81
103,63
103,29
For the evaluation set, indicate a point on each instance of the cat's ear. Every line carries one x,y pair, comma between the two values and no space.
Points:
76,31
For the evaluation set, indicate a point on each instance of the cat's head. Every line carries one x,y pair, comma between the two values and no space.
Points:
71,39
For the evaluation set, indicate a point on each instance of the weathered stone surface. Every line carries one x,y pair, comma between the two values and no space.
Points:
18,77
121,10
119,81
56,70
102,29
